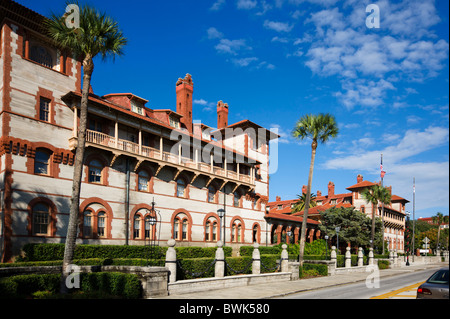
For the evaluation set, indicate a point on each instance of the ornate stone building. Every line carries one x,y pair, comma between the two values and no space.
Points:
140,162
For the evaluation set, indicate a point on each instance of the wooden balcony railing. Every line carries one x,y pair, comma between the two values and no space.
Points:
103,139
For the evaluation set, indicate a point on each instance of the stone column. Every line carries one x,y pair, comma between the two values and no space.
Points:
391,259
395,259
360,257
220,261
171,260
333,256
371,259
348,258
284,259
256,265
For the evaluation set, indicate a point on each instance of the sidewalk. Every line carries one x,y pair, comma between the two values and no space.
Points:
282,288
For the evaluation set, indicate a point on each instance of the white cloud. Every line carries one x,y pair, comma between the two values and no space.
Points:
278,26
246,4
217,5
213,33
231,46
244,61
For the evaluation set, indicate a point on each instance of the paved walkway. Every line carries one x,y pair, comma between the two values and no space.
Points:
282,288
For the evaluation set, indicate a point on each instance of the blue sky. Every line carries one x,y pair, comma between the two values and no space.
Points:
274,61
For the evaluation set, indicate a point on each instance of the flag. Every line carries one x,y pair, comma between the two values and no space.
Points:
382,174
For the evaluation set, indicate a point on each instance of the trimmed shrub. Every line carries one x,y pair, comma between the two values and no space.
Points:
21,286
313,270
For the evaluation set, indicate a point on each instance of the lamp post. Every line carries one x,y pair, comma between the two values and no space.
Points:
337,229
407,238
289,233
221,213
326,247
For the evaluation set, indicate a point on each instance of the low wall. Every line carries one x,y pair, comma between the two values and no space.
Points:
203,284
153,279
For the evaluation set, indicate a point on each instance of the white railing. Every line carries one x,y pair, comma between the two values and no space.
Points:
131,147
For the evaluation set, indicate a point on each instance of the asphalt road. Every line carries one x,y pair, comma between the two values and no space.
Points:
395,287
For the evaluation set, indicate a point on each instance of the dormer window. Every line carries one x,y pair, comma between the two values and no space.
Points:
137,107
41,55
174,122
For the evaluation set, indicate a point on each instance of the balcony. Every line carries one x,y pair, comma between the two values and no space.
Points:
162,158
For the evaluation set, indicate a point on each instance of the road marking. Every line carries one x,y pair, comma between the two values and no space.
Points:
396,292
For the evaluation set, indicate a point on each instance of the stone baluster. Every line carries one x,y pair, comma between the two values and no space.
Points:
256,257
360,257
348,258
171,260
395,259
284,259
391,258
333,255
219,270
371,259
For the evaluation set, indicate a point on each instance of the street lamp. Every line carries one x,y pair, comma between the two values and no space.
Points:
337,229
326,247
221,213
407,238
289,233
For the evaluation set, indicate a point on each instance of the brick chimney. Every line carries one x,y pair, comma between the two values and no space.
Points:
222,115
278,199
304,189
319,193
184,89
330,189
359,178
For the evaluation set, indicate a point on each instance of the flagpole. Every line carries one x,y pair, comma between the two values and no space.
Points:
382,204
414,216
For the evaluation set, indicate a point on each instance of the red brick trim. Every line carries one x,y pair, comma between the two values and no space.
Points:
217,218
150,180
44,93
189,219
105,169
135,211
106,208
241,222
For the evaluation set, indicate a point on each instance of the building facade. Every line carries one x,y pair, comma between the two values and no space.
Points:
140,163
394,213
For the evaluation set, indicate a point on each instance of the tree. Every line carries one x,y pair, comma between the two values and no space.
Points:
439,219
97,34
300,204
374,195
354,225
319,128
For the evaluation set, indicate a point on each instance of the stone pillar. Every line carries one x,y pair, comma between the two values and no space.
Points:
371,259
333,256
395,259
348,258
360,257
171,260
220,261
391,259
256,265
284,259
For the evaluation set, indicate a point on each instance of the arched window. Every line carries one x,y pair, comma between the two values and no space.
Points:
184,231
255,234
143,179
233,233
95,171
211,194
41,219
237,234
208,231
87,224
148,228
42,162
181,187
101,224
176,226
211,227
137,226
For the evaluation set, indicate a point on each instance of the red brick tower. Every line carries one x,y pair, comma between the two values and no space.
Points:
222,115
184,89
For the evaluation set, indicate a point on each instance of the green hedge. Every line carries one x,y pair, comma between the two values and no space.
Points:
47,252
109,284
309,270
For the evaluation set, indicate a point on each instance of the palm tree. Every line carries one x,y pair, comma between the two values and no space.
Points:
439,219
319,128
97,34
300,204
374,195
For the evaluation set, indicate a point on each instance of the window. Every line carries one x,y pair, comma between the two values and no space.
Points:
181,187
137,107
211,194
143,179
95,171
211,229
184,232
41,218
237,231
255,233
174,122
255,203
95,125
44,109
41,162
101,219
181,227
41,55
87,224
148,228
137,226
236,199
176,225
